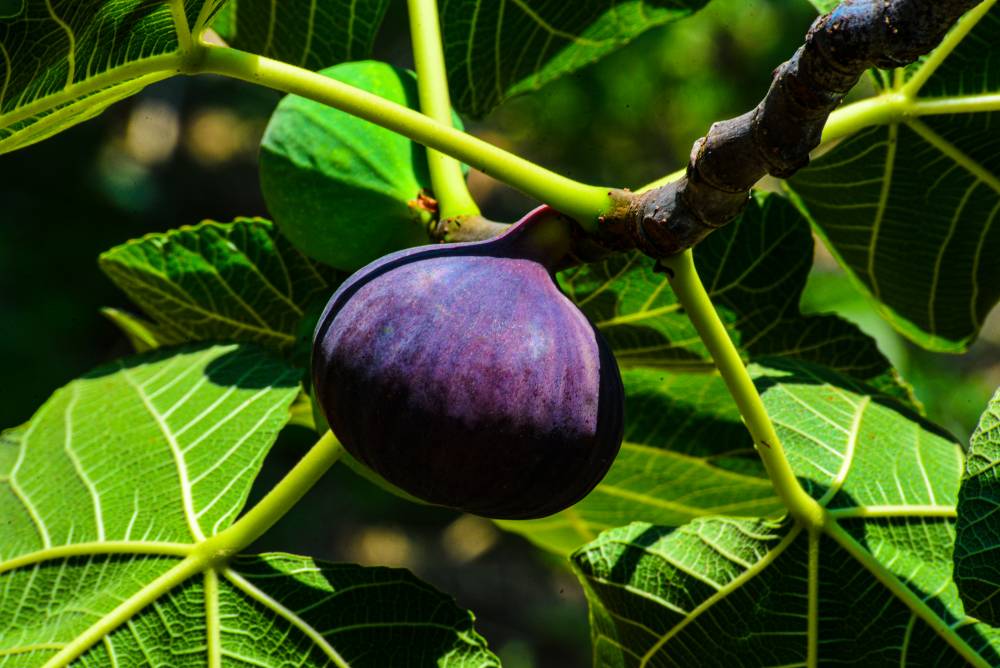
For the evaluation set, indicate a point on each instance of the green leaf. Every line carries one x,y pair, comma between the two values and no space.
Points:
64,61
118,478
309,612
498,49
308,33
834,426
977,546
686,452
910,209
343,190
192,425
871,586
238,281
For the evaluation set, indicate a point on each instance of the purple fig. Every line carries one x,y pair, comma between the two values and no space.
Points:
461,374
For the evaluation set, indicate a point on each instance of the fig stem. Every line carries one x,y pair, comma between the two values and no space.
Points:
447,179
584,203
692,296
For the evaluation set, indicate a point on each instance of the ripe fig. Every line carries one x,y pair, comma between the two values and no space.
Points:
461,374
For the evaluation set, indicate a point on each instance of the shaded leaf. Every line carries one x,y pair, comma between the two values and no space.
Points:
910,209
64,61
121,474
494,50
872,586
308,33
343,190
686,452
238,281
977,548
311,612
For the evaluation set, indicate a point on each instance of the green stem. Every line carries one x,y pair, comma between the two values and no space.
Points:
276,503
447,179
692,296
951,41
213,619
89,549
895,107
959,104
879,110
583,202
148,70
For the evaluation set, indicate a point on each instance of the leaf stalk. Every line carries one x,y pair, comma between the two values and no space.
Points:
276,503
447,179
692,296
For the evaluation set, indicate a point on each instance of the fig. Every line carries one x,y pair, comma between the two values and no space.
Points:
464,376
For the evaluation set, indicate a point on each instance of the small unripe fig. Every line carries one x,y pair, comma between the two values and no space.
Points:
342,190
461,374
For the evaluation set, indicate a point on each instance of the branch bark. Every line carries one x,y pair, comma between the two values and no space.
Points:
777,136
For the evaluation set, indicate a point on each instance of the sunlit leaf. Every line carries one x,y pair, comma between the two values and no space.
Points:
64,61
911,208
193,425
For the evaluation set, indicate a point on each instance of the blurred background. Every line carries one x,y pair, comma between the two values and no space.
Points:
185,150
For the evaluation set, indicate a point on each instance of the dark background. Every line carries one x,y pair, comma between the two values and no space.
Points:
185,150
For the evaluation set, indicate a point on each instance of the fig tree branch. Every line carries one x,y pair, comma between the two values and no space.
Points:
774,138
777,136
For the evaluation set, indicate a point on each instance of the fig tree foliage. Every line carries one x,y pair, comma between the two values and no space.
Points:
779,496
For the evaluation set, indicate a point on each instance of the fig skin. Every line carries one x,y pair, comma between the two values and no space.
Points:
463,375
